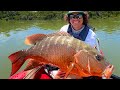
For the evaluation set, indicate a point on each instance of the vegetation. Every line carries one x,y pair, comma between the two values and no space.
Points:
48,15
31,15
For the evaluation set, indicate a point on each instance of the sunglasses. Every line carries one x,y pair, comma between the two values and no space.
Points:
78,16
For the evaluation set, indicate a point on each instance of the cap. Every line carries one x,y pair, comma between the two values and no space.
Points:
70,12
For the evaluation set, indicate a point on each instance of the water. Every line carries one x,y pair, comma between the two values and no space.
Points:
110,46
12,37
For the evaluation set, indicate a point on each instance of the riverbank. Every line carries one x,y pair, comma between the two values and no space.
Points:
50,15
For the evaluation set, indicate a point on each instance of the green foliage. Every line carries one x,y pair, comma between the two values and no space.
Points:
50,15
31,15
103,14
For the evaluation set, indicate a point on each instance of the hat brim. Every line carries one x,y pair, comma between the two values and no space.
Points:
71,12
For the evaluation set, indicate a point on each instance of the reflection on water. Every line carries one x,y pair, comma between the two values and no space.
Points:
12,40
108,25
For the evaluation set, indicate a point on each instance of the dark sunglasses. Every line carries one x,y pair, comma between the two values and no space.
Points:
78,16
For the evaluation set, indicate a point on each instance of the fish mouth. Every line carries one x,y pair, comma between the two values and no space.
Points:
107,72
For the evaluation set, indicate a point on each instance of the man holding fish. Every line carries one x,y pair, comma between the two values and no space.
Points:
78,28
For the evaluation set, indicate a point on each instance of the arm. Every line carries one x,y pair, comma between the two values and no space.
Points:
64,28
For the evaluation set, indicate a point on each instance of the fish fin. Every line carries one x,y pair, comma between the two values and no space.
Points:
19,75
32,64
17,59
32,39
69,69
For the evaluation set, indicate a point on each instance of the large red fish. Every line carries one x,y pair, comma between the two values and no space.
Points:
64,51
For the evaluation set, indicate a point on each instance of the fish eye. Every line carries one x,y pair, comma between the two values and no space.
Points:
98,57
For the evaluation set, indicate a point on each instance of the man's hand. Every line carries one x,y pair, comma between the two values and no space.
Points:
60,75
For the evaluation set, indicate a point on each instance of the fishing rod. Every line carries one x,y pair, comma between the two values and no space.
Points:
98,48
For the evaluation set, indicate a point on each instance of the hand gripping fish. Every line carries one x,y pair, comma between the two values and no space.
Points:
71,55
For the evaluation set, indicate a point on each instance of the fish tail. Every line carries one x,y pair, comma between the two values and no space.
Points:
17,59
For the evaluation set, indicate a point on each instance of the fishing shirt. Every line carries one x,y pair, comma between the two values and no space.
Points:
90,38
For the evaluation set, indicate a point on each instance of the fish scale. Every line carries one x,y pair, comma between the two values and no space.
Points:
50,46
50,52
